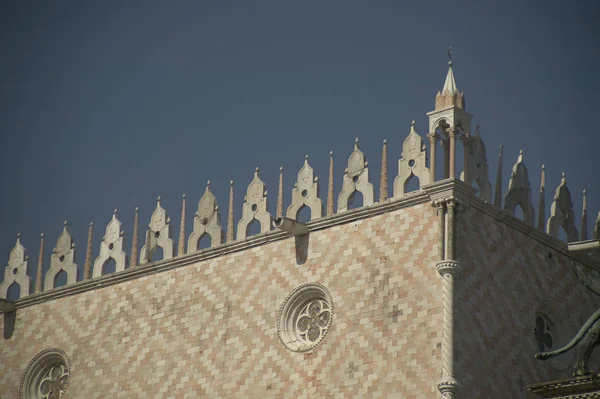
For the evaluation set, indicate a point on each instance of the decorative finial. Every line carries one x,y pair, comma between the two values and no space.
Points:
42,235
281,168
257,169
543,167
450,55
521,152
18,236
184,196
65,223
384,141
413,123
115,211
158,199
306,157
330,153
231,182
564,177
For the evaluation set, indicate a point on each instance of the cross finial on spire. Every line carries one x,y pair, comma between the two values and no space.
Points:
450,55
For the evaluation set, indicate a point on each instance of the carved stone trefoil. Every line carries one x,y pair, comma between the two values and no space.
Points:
519,191
111,247
356,179
16,270
159,234
207,221
411,163
63,258
306,193
254,207
561,213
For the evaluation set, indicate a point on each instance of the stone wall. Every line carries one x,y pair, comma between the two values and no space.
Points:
209,329
509,272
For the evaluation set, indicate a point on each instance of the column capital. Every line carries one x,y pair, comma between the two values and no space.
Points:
451,202
448,386
445,267
451,132
433,137
439,203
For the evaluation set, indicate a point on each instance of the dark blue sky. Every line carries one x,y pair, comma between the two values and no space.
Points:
109,104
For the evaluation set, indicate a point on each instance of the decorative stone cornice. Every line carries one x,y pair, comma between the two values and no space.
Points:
587,386
431,193
447,267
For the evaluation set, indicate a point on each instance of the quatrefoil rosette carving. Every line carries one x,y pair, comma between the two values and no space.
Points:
305,317
46,376
207,221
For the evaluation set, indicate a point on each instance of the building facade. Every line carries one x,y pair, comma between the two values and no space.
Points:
440,292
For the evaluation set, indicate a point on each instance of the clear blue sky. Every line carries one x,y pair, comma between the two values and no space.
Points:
109,104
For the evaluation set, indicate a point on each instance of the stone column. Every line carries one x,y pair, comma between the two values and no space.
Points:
446,147
432,143
452,139
448,269
467,164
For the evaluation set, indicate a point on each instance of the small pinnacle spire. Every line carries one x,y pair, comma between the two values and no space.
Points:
383,182
584,228
542,202
87,267
330,185
230,214
38,277
134,241
280,193
450,83
181,247
498,192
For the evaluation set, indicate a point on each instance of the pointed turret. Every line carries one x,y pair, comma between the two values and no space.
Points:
383,183
280,193
584,235
181,247
450,95
330,186
230,236
38,277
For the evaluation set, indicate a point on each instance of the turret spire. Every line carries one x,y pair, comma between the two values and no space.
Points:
450,96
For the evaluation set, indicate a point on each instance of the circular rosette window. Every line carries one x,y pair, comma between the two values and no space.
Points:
46,376
305,317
